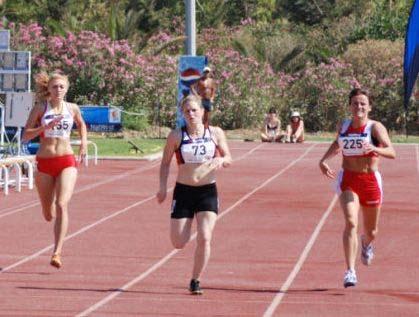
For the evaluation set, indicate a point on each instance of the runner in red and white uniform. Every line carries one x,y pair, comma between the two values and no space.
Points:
362,141
52,119
200,150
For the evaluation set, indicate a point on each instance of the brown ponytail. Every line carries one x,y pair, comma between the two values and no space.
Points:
41,86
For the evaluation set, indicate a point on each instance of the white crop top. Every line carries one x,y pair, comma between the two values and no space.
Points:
351,140
63,127
199,150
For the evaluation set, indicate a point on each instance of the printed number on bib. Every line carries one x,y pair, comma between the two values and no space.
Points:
63,125
353,145
199,149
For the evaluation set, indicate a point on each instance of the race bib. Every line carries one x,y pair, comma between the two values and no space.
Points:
198,152
61,130
352,145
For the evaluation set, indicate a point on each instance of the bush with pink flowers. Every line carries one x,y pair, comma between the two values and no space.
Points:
102,71
105,71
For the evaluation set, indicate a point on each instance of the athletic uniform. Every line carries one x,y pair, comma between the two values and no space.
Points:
271,129
187,200
368,186
54,165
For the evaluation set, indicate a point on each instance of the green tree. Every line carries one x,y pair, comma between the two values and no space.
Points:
386,19
307,11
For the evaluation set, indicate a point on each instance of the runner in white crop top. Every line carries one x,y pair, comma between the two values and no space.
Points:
51,119
359,184
195,194
353,141
198,150
63,127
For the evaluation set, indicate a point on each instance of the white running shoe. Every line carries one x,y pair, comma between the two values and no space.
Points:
349,279
367,254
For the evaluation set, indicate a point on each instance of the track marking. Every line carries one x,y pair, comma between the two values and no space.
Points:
18,206
167,257
34,203
84,188
284,288
248,153
85,228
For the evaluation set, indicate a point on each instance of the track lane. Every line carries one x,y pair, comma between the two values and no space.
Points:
174,288
388,287
103,256
36,266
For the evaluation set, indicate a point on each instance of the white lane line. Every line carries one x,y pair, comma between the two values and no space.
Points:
248,153
80,231
167,257
284,288
24,204
86,187
38,253
34,203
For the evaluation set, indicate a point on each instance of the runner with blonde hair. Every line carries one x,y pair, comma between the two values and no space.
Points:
52,119
200,150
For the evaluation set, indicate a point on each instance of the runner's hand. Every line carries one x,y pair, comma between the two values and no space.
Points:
161,196
216,163
368,147
82,152
53,122
326,170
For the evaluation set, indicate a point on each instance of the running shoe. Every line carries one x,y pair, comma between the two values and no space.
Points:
367,254
349,279
194,287
56,261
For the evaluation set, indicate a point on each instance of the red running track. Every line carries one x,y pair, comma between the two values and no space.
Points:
276,249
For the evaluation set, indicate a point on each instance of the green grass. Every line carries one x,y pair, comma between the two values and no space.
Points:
403,139
118,146
121,147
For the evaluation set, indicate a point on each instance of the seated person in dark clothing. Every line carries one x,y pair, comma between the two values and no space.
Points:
271,129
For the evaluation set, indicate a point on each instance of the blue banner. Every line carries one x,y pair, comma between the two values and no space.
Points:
101,118
190,70
411,53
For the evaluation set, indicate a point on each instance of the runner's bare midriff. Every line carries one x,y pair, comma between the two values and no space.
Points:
52,147
196,174
360,164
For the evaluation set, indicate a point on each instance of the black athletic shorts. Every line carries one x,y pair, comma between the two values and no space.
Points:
187,200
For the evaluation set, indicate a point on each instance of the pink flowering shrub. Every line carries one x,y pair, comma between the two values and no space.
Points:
320,94
246,87
102,70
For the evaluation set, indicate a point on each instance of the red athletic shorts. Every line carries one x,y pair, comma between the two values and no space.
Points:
54,165
368,186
